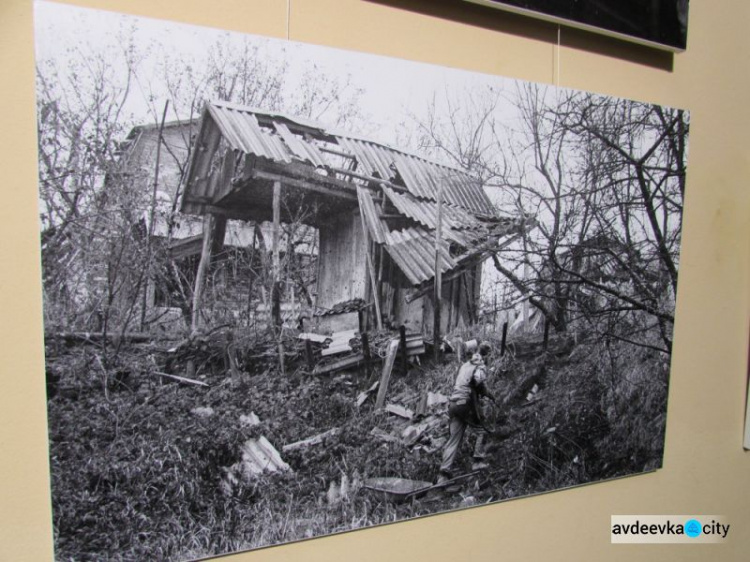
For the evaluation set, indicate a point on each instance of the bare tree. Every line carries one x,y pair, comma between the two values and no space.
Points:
604,179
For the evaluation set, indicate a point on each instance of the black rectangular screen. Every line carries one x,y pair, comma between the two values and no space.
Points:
658,23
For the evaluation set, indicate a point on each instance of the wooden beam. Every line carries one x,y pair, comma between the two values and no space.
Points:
337,152
404,351
386,375
220,231
209,222
307,185
372,179
371,270
437,298
366,353
276,271
349,362
180,379
469,299
310,441
275,255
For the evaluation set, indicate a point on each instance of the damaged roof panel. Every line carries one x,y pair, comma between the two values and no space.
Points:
371,216
276,139
425,212
413,250
372,159
422,179
242,131
305,151
469,218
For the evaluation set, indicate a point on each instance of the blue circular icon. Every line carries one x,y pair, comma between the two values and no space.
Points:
693,528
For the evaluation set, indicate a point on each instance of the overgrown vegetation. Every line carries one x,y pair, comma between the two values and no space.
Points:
139,473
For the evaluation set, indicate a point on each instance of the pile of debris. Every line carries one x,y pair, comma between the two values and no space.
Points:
349,349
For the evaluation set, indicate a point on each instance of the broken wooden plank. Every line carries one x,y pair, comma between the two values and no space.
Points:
400,411
259,456
364,395
386,376
404,351
422,405
416,351
309,356
414,433
209,227
317,338
335,349
366,354
310,441
344,335
384,436
346,362
180,379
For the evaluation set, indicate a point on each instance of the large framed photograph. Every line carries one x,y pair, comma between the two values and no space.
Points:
292,291
655,23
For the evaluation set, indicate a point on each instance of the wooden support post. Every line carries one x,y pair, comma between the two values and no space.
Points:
200,277
404,356
371,269
505,334
438,276
309,356
219,234
366,353
386,376
276,270
275,259
469,299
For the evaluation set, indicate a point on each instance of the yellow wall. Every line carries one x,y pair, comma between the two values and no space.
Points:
705,469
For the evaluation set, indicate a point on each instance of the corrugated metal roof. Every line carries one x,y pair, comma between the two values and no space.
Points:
242,132
305,151
421,177
285,139
426,212
413,250
371,216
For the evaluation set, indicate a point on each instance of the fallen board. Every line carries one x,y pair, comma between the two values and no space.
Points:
345,363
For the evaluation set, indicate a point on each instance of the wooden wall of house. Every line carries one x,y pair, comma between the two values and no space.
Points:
460,301
411,314
342,268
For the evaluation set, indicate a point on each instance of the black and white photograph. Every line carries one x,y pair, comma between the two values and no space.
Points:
657,23
291,290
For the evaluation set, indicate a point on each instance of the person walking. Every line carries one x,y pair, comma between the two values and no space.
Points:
469,387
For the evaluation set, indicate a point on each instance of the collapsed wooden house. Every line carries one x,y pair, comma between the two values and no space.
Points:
375,207
153,161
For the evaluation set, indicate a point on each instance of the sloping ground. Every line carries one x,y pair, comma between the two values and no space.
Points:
143,469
